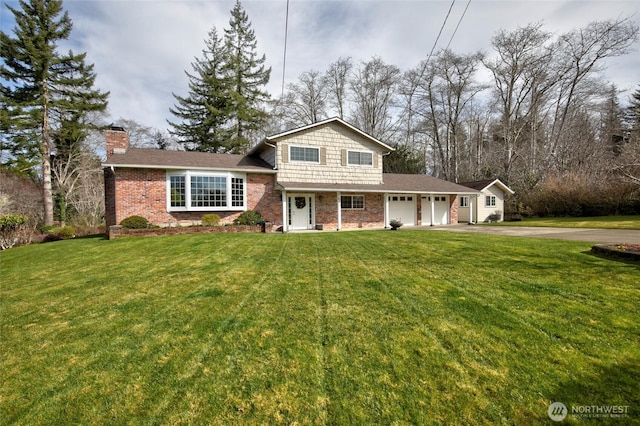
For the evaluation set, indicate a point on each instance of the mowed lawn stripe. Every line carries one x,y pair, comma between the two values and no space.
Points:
406,327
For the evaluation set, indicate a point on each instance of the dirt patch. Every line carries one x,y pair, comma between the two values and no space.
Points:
622,251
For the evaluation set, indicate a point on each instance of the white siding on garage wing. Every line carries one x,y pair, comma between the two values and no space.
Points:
484,210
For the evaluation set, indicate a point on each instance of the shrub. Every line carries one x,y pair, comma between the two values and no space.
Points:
210,219
65,232
47,229
135,222
13,231
250,217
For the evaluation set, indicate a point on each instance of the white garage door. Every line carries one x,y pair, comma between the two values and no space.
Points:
440,207
403,208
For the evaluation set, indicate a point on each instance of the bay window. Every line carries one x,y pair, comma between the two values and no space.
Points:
199,191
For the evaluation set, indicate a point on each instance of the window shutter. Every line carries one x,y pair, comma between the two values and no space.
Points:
375,160
285,153
344,157
323,156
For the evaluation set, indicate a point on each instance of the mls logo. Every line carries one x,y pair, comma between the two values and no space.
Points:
557,411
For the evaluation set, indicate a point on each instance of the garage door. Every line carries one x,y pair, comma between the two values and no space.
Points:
403,208
440,207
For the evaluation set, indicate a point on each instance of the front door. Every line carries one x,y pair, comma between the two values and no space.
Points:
301,212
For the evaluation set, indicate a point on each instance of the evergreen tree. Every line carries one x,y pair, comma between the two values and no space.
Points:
204,113
632,115
248,77
44,88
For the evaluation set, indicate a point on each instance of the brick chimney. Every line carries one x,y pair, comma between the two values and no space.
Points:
117,141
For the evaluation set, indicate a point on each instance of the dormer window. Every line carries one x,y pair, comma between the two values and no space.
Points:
359,158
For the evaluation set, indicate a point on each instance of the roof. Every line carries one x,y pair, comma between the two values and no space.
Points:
274,138
151,158
397,183
482,185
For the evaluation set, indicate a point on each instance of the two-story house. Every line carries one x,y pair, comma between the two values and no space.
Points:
327,175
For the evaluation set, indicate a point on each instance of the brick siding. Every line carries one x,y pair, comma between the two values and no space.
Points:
371,217
143,192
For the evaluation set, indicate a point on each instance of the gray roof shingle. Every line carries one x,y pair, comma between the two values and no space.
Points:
167,159
392,182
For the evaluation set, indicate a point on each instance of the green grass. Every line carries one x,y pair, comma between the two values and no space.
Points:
605,222
370,327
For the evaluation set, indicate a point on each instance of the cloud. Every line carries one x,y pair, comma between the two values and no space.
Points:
141,49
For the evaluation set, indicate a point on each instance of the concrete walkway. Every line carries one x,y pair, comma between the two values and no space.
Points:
596,236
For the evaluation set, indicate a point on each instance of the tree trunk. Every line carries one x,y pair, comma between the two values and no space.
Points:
47,191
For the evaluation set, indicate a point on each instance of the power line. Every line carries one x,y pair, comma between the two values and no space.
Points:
435,43
284,60
460,20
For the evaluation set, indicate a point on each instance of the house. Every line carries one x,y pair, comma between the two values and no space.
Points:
327,175
489,204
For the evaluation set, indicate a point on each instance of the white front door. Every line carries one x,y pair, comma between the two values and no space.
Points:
440,208
301,212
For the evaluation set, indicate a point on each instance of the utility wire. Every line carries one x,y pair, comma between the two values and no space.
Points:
284,60
458,25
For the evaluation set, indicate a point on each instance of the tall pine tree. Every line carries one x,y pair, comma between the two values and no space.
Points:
226,95
43,89
204,112
248,76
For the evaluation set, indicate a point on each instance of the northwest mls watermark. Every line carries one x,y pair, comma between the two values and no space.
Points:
558,411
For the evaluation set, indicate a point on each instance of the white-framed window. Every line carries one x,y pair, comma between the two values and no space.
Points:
359,158
352,202
464,201
490,201
201,191
306,154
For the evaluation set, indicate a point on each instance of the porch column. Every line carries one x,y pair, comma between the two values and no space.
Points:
471,208
386,210
433,208
339,203
285,219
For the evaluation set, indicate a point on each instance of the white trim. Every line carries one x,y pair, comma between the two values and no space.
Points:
321,123
360,152
291,160
188,174
285,219
339,210
180,168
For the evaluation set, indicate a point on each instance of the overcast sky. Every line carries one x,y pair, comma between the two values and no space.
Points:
141,48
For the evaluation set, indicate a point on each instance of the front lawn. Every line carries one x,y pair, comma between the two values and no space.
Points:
605,222
368,327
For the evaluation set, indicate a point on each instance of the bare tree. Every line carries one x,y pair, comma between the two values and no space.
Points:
581,53
335,81
373,90
305,101
521,77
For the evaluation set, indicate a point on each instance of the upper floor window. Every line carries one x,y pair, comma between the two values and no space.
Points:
205,191
360,158
304,153
490,201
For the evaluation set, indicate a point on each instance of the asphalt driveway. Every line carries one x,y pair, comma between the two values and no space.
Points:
596,236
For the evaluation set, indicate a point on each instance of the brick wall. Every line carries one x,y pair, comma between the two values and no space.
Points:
143,192
453,209
371,217
264,198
